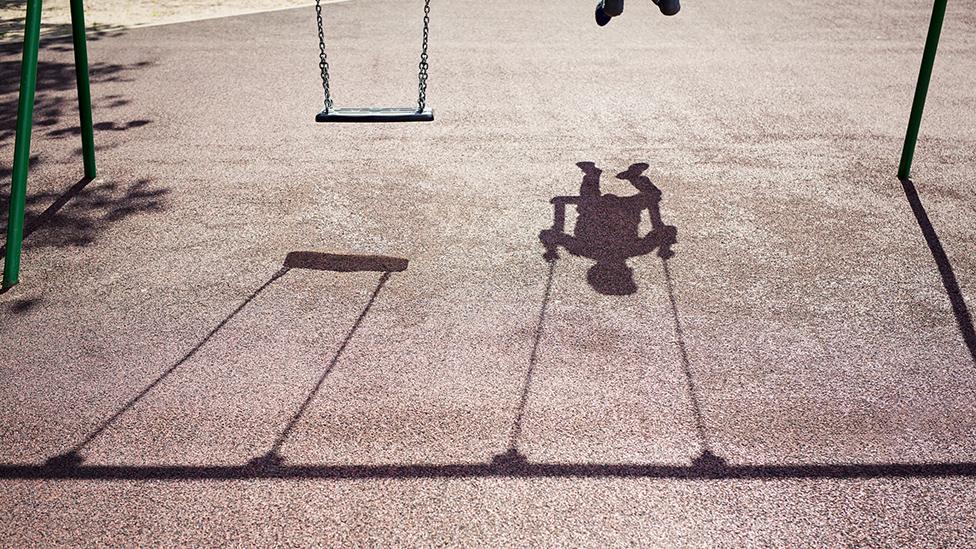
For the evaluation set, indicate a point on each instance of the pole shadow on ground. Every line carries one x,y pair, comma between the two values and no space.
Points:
93,207
964,320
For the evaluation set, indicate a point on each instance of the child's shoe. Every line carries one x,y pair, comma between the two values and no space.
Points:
668,7
607,10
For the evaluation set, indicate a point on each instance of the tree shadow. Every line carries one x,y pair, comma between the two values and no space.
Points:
964,320
55,96
12,22
607,228
94,205
100,127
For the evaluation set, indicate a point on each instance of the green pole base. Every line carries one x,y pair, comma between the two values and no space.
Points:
921,89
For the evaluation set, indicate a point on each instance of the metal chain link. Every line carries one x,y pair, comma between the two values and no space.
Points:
422,76
323,59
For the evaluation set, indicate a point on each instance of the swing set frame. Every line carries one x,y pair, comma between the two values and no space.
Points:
24,126
28,82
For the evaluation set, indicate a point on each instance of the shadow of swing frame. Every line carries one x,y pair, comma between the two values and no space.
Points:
509,464
494,469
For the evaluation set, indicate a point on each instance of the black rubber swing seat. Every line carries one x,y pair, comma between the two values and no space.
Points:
374,114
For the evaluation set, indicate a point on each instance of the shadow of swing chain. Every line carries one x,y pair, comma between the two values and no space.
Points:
72,455
273,456
294,260
512,454
707,460
685,362
705,467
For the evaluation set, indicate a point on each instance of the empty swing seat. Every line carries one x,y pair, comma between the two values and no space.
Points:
375,114
372,114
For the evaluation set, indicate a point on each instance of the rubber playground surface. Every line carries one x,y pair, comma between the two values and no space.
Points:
797,370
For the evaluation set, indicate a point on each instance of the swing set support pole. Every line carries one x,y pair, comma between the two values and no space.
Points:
921,89
84,86
25,114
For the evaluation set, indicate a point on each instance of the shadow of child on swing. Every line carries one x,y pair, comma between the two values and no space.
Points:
607,228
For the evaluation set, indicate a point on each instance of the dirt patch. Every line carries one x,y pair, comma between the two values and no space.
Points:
103,15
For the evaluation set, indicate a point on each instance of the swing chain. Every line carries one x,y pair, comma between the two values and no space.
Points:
323,59
422,76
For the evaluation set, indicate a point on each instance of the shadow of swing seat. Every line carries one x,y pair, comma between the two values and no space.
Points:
342,263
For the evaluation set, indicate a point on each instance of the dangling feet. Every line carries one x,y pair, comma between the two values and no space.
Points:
607,10
668,7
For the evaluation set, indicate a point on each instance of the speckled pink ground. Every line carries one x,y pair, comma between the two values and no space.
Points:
828,365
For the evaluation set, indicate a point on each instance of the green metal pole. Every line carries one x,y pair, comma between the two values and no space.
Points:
922,88
84,85
25,114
